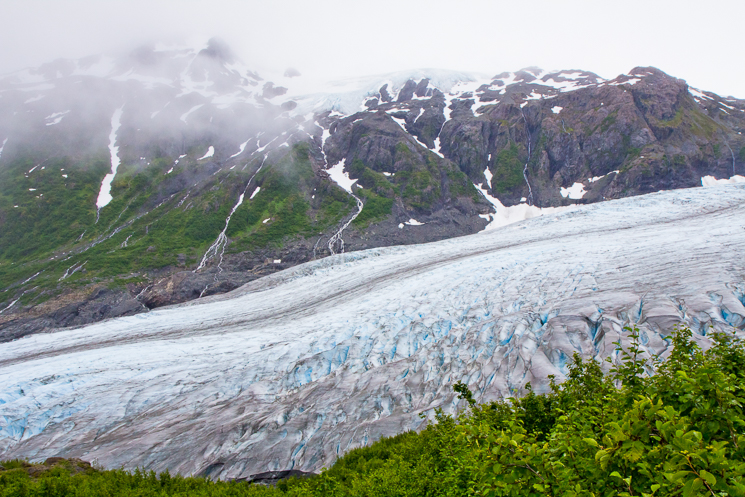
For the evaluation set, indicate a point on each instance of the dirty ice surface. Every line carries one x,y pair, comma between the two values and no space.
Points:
295,368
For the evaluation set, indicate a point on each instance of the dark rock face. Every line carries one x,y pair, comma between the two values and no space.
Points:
273,477
384,96
72,310
407,92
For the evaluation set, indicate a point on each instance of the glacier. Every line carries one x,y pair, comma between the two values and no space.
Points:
294,369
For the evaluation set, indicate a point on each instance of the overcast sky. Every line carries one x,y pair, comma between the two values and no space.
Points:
700,42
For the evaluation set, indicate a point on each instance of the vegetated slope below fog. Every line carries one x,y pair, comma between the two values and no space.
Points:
129,183
296,368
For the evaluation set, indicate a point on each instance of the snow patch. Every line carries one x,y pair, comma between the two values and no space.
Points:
55,118
596,178
210,152
255,192
574,192
631,81
241,148
104,195
698,93
413,222
341,177
556,109
712,181
11,304
514,214
186,114
488,175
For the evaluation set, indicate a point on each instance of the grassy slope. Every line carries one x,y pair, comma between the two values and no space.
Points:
44,233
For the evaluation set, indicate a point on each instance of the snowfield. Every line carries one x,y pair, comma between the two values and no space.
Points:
293,369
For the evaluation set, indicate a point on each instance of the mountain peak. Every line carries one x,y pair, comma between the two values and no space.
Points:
218,49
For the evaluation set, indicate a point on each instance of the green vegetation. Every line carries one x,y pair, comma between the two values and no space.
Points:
609,121
422,188
376,208
66,479
674,121
144,227
680,431
371,180
742,154
51,209
508,170
691,117
460,186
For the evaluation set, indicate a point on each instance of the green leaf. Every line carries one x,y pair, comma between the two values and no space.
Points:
677,476
710,479
590,441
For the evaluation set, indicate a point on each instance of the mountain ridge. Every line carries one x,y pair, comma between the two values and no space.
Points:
226,177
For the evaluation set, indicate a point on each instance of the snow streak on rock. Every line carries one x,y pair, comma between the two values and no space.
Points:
241,148
209,153
513,214
3,146
104,195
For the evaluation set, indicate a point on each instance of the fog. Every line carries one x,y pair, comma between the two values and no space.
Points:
330,39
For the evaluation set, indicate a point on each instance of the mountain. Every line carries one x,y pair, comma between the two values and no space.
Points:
293,369
132,182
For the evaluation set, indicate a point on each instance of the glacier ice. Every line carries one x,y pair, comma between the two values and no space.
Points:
295,368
